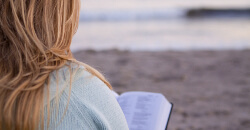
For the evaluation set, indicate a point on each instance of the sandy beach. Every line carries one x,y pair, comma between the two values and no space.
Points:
210,89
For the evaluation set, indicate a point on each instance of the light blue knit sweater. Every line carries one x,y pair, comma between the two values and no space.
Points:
91,104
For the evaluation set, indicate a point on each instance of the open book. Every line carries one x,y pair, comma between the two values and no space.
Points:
145,110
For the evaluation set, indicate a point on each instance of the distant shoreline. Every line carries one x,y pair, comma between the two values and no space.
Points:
213,12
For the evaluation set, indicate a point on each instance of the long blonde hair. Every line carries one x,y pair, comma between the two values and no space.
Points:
35,38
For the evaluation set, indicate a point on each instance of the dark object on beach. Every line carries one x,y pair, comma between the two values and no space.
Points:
206,12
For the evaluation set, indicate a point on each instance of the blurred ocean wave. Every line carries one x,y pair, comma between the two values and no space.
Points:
128,15
162,14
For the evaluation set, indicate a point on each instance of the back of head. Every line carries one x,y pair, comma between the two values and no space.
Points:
35,38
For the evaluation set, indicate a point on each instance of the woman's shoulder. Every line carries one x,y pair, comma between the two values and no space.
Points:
91,101
67,77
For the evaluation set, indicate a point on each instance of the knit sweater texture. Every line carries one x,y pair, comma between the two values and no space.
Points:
86,104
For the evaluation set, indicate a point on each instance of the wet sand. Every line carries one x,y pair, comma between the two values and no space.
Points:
210,89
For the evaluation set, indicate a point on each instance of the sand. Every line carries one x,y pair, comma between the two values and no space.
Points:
210,89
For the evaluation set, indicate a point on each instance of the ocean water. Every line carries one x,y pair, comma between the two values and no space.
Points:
155,25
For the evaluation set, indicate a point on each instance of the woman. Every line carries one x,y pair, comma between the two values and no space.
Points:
41,85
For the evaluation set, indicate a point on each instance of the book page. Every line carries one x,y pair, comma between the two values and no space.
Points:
165,112
142,109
